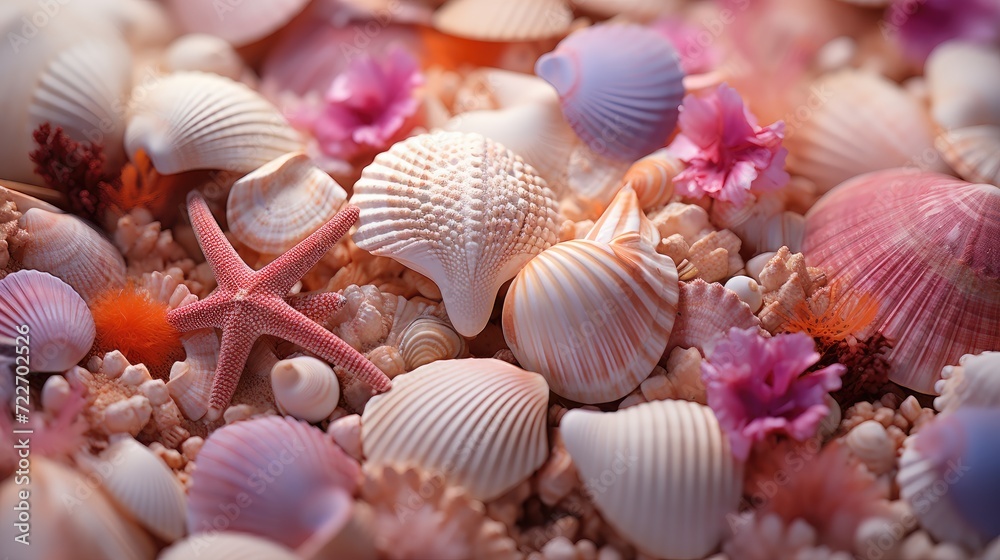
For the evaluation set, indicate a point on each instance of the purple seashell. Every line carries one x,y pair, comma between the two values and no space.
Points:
620,88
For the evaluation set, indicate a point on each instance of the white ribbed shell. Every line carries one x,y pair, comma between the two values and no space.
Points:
481,423
190,382
227,546
975,381
508,21
660,472
592,317
460,209
305,388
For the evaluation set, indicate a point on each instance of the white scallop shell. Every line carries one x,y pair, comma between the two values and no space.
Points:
279,204
508,21
870,443
972,152
593,318
196,120
962,79
661,473
238,22
190,383
60,328
227,546
305,388
975,381
624,215
705,313
460,209
480,423
142,484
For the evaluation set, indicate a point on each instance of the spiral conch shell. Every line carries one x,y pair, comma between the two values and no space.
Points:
305,388
460,209
592,317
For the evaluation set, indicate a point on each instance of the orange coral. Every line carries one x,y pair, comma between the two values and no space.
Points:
142,186
129,320
845,315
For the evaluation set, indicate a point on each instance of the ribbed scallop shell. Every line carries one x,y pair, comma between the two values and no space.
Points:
652,177
624,215
299,481
706,312
661,473
862,122
962,80
60,327
240,23
480,423
972,152
923,246
460,209
227,546
429,339
65,246
196,120
190,383
142,485
305,388
620,85
592,317
279,204
975,381
508,21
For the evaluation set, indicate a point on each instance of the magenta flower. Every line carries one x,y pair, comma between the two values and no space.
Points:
756,387
921,25
727,153
366,107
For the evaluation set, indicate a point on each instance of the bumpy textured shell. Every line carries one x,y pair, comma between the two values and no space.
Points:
60,328
706,312
592,317
196,120
227,546
620,86
508,21
660,472
279,204
240,23
305,388
975,381
925,247
480,423
460,209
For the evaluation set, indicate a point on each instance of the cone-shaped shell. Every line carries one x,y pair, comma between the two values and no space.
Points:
480,423
975,381
66,247
274,207
620,86
43,314
460,209
310,493
508,21
142,485
196,120
227,546
706,312
592,317
240,23
661,473
305,388
924,246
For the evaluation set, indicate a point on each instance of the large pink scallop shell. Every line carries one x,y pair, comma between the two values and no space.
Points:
927,247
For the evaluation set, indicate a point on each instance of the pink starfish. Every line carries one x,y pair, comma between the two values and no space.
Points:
249,303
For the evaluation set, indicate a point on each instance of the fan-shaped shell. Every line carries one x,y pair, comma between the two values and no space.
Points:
620,86
66,247
190,382
624,215
43,314
460,209
924,246
661,473
652,177
863,122
196,120
480,423
706,312
975,381
240,23
509,21
227,546
142,484
306,489
281,203
429,339
962,80
592,317
305,388
972,152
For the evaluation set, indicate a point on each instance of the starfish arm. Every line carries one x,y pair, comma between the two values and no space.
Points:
229,268
317,306
202,314
281,274
236,346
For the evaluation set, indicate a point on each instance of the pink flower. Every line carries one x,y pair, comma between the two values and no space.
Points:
756,387
921,25
366,107
727,153
694,43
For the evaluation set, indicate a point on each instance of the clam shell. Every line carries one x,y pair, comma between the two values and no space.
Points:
652,177
661,473
306,493
480,423
60,328
624,215
278,205
923,245
706,312
66,247
227,546
962,80
429,339
592,317
974,382
305,388
972,152
142,484
196,120
620,86
509,21
239,23
198,52
190,383
863,123
460,209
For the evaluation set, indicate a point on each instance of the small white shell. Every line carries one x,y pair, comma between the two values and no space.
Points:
196,120
508,21
305,388
60,328
480,423
870,443
748,290
974,382
429,339
225,545
238,22
190,382
204,53
278,205
661,473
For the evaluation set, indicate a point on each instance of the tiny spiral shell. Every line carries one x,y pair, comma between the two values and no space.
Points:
652,178
305,388
428,339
